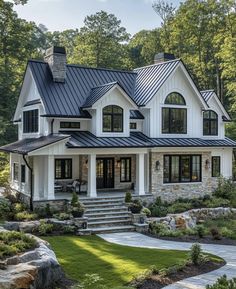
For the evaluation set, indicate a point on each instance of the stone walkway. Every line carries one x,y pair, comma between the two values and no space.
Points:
228,253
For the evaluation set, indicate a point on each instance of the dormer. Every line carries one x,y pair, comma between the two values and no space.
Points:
110,106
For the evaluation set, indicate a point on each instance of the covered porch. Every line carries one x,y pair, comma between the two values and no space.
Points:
91,175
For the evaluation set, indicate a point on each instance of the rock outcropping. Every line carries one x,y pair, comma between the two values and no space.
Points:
191,218
35,269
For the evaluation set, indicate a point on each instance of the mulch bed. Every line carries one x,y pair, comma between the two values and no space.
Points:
157,281
196,239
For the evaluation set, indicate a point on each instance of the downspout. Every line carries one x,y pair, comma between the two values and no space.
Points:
31,183
52,122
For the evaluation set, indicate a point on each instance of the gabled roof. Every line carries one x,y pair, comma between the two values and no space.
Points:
66,99
98,92
151,78
207,94
27,145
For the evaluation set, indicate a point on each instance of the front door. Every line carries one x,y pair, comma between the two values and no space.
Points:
105,173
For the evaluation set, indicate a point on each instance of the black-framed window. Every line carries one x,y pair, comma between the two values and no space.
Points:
63,169
69,124
22,174
112,118
15,172
175,98
31,121
182,168
174,120
215,166
125,169
133,125
210,123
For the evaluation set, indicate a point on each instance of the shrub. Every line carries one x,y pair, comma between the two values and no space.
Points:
74,200
68,229
45,228
135,207
158,211
227,232
215,233
128,197
147,212
48,211
226,189
223,283
14,242
19,207
155,228
200,230
6,210
179,207
195,254
25,216
62,216
217,202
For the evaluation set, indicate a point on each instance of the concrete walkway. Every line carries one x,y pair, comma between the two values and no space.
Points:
228,253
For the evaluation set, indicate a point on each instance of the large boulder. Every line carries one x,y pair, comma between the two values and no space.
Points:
35,269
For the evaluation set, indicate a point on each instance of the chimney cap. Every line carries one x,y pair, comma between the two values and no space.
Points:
163,56
56,49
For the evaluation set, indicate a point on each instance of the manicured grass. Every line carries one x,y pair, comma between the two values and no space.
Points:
116,264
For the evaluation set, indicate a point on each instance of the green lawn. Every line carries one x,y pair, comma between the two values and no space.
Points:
116,264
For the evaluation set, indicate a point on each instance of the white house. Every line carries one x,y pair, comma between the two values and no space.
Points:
100,130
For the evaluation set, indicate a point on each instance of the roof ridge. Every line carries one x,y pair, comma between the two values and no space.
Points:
157,64
101,68
207,90
87,67
105,84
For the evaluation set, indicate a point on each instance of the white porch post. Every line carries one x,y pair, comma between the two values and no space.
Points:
92,190
140,189
36,176
51,177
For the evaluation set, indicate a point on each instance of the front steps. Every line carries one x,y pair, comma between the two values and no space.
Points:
107,215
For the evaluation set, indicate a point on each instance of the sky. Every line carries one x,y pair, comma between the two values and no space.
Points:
58,15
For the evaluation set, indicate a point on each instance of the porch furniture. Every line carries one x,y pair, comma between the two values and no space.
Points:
74,186
58,187
83,186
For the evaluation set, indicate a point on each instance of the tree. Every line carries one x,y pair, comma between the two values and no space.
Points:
100,42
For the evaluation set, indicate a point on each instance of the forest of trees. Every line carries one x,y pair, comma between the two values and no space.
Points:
201,32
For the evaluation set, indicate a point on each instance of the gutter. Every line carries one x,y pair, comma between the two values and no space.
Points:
31,182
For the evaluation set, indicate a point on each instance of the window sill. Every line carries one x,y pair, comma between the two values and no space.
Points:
182,183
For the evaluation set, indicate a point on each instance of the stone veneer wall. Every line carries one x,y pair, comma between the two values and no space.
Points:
83,170
171,192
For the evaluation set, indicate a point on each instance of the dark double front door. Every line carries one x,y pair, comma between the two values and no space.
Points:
105,173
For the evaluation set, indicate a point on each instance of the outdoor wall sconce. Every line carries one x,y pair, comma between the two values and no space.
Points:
207,164
158,165
86,163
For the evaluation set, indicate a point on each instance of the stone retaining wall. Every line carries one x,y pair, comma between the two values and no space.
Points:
191,218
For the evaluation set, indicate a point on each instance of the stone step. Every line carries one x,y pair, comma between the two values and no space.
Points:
105,209
105,223
107,205
82,199
101,201
101,230
109,218
105,214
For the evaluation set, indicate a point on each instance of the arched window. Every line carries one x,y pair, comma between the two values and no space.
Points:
210,123
175,98
174,119
112,118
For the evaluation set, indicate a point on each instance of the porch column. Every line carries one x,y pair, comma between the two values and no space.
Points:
51,177
140,174
92,190
36,176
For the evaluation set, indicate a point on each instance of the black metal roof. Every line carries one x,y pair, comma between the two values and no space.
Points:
27,145
136,114
85,139
66,99
206,94
32,102
151,78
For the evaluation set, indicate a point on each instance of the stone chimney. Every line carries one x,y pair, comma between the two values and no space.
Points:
162,57
56,58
